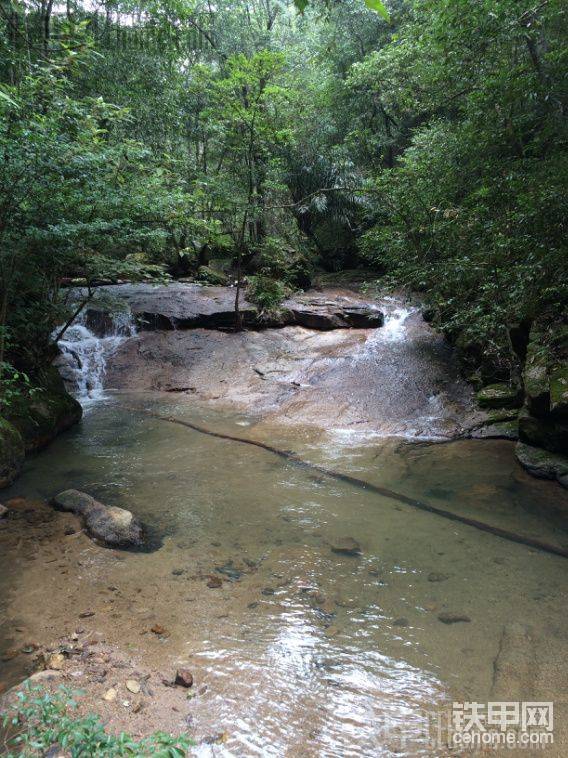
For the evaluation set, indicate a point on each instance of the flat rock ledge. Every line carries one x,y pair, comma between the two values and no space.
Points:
542,463
109,525
181,305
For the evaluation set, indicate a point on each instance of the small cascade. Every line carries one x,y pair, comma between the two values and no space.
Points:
85,349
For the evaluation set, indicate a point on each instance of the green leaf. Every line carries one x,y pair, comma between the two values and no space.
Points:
301,5
4,96
378,7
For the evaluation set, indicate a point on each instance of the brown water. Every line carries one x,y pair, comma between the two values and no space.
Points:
303,651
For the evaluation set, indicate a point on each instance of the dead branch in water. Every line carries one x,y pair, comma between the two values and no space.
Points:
288,455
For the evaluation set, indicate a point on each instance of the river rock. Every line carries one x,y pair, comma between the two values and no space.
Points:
184,678
346,546
110,525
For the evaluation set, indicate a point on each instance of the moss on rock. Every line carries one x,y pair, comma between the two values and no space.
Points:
12,453
499,396
535,374
559,391
40,417
542,463
208,275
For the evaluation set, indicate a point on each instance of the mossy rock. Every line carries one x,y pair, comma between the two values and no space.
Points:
535,373
40,417
545,433
542,463
559,391
12,453
499,396
208,275
501,430
497,415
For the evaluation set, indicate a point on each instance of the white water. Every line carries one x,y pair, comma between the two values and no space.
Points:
84,355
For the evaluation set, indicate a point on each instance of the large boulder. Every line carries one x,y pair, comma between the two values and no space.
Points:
542,463
41,416
12,453
115,527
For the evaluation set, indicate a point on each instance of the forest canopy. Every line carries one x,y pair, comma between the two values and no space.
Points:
423,141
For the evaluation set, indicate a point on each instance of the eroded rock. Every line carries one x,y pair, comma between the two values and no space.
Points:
116,527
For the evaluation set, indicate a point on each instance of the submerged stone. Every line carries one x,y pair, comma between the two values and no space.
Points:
110,525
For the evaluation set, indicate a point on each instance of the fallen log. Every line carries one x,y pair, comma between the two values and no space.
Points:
288,455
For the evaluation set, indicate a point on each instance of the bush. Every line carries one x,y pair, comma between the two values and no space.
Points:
41,720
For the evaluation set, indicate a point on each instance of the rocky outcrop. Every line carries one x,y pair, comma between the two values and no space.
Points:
112,526
12,453
542,425
184,305
542,463
32,421
41,416
500,396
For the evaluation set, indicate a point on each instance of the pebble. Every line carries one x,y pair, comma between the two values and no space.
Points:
56,661
86,614
133,686
160,630
3,511
268,591
214,582
110,695
184,678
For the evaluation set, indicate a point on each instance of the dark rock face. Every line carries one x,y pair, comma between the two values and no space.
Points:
40,418
115,527
183,305
32,422
11,453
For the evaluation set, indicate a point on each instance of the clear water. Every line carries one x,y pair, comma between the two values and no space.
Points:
302,650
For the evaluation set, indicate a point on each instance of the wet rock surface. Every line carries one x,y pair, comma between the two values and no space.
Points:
400,379
115,527
542,463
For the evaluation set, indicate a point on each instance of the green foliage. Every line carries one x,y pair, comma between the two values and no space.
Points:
473,210
41,719
267,293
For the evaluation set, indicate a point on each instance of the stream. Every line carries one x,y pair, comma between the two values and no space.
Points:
302,650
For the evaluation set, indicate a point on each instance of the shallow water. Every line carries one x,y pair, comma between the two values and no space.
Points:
303,651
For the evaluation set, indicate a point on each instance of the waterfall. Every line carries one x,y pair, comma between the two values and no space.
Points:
85,349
